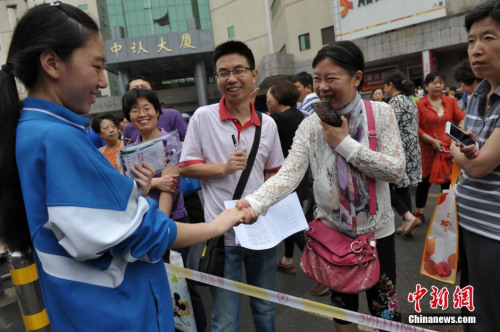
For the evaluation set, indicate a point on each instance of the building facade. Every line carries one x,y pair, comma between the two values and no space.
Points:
171,41
438,42
285,35
12,10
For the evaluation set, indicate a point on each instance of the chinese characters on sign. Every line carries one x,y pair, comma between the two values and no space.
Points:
116,48
374,78
462,297
186,41
138,48
163,46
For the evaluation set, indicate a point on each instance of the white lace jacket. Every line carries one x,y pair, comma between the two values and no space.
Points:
309,147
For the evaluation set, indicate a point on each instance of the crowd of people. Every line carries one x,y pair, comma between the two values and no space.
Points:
100,249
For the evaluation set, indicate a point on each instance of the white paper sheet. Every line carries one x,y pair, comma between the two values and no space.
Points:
282,220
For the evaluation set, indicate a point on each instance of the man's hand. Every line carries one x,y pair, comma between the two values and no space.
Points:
143,175
237,161
166,183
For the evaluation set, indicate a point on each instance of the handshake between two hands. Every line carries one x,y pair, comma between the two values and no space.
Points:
250,215
242,213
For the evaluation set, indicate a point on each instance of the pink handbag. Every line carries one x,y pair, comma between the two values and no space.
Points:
339,262
336,260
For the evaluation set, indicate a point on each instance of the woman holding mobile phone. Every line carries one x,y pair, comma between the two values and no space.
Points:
341,162
478,190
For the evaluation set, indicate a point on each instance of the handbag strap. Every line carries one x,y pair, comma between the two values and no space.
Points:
372,139
251,157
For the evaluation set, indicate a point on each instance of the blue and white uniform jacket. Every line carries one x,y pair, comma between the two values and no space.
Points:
98,244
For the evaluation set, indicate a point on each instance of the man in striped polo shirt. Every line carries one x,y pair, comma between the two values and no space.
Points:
218,141
304,83
478,192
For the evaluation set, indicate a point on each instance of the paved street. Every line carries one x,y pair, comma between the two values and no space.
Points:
409,253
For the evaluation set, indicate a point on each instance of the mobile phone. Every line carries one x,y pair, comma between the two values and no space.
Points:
326,113
458,135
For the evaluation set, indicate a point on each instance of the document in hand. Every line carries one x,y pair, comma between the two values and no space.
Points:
160,153
281,220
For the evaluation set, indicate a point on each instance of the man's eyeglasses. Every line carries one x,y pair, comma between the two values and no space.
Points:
237,72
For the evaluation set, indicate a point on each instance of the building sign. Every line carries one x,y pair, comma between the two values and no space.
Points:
355,19
429,62
374,78
158,46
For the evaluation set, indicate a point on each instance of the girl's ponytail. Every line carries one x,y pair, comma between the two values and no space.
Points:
14,231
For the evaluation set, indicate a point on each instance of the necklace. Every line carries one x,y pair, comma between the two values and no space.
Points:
437,106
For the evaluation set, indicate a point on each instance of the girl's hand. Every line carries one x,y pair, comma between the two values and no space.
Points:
227,219
335,135
143,175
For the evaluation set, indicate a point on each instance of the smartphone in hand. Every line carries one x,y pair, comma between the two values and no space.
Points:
326,113
458,135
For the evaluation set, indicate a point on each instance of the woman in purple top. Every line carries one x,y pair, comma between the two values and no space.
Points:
142,108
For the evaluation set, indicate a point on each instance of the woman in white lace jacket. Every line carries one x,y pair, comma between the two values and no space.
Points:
338,75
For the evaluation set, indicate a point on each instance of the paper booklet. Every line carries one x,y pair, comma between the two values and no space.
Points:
160,153
281,220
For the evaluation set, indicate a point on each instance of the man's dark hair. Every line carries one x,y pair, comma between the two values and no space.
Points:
303,77
233,47
463,73
130,98
96,122
137,77
489,8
